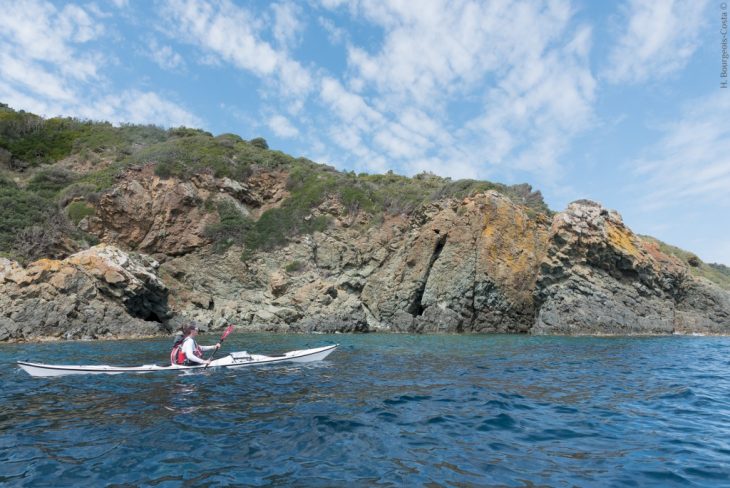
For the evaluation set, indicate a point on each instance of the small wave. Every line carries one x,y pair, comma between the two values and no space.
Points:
502,421
710,473
666,476
563,409
337,425
681,393
497,404
554,434
406,399
439,419
387,416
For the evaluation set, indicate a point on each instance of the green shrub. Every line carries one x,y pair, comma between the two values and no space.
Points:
6,181
48,142
231,228
259,142
294,267
229,140
104,178
277,225
49,182
183,157
20,209
188,132
84,191
77,211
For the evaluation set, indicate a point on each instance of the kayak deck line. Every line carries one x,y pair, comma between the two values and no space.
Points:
233,360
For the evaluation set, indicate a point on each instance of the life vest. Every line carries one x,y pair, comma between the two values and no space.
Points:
177,356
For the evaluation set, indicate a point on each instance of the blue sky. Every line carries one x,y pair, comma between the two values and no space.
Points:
618,102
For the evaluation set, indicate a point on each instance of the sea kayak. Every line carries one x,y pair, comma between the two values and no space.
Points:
233,360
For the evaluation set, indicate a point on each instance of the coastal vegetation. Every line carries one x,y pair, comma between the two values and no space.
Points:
52,171
717,273
36,154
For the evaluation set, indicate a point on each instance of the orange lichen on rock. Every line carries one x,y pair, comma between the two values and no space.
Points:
511,245
623,239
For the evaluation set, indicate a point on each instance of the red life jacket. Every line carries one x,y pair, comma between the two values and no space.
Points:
177,356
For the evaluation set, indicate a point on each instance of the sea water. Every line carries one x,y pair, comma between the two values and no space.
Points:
382,410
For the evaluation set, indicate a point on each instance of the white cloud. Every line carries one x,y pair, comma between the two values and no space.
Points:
46,44
537,106
524,68
658,38
49,66
165,56
282,127
349,106
31,102
234,34
287,23
33,77
138,107
691,161
335,34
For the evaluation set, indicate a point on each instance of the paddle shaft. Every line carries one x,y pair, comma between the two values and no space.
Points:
223,338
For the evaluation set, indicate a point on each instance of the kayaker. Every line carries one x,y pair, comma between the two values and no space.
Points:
191,351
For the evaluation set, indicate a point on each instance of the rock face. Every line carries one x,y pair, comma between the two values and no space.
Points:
600,278
478,264
168,216
481,264
702,307
101,292
469,266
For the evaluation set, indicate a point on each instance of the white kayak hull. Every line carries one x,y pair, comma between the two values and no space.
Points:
233,360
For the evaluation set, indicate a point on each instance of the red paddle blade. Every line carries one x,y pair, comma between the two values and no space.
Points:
228,331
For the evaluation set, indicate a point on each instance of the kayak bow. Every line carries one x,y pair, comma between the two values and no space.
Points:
233,360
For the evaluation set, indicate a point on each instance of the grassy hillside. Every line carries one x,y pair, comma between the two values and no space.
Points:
717,273
36,190
41,201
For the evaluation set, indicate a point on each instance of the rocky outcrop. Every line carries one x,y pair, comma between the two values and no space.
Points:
481,264
101,292
168,217
600,278
478,264
456,266
465,266
702,307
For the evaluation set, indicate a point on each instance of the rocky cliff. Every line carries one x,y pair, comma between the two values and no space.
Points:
101,292
218,229
478,264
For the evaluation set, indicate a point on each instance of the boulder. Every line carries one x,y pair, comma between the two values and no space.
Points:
101,292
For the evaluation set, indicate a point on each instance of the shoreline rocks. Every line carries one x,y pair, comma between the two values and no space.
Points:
101,292
481,264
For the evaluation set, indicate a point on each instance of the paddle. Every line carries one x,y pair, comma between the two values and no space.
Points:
223,338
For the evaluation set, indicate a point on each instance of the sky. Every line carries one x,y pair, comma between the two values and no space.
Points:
621,102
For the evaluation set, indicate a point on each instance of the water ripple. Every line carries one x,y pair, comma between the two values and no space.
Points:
382,411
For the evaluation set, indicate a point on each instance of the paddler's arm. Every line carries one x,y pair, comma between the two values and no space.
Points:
189,351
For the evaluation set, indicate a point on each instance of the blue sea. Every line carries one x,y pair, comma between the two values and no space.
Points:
382,410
